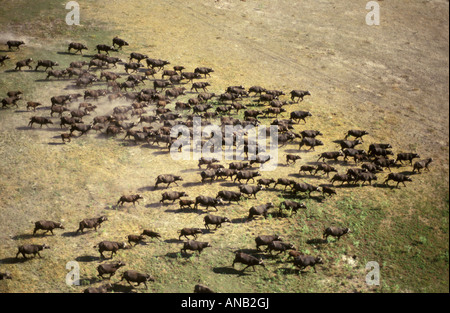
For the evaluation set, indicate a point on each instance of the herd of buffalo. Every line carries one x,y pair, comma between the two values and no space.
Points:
144,117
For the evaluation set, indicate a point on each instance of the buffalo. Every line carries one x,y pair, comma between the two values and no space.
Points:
167,179
47,226
194,246
300,94
31,249
250,190
259,210
172,195
136,277
303,261
291,205
279,246
129,198
91,223
335,232
189,232
111,246
109,269
397,177
207,202
248,260
215,220
264,240
423,164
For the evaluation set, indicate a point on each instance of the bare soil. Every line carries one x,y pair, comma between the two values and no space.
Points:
391,80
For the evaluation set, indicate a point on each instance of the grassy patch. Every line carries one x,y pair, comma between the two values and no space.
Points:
405,230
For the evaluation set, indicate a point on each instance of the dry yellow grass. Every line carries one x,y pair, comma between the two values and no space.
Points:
359,77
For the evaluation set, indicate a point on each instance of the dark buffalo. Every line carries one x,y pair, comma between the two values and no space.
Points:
300,115
129,198
137,56
133,66
248,260
238,165
111,246
204,71
286,182
260,210
172,196
167,179
215,220
380,152
406,157
250,190
356,133
109,269
291,158
397,177
91,223
300,94
207,202
15,44
248,175
227,195
105,48
303,261
279,246
310,133
119,42
304,187
150,233
291,205
45,63
349,144
335,232
136,239
307,168
24,63
186,203
31,249
195,246
327,169
266,182
189,232
3,58
328,191
202,289
39,120
77,47
342,178
208,174
334,155
366,176
82,128
136,277
310,142
225,172
423,164
264,240
47,226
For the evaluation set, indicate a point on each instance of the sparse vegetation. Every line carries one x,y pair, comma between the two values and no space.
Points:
405,230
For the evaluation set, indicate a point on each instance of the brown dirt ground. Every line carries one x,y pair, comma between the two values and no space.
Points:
391,80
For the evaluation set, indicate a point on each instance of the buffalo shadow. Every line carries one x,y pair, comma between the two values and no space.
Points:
229,271
14,260
88,258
